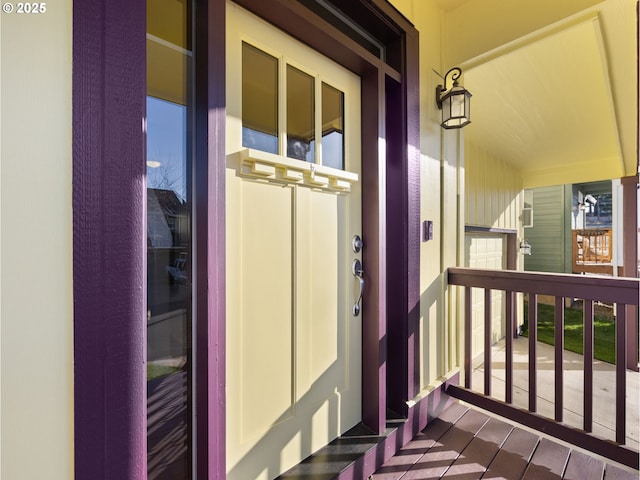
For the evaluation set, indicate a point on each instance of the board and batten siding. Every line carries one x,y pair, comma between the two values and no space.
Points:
493,190
548,237
36,315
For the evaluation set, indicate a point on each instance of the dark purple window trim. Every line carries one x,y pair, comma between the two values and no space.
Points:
109,261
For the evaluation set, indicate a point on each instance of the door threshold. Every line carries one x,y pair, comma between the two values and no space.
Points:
354,455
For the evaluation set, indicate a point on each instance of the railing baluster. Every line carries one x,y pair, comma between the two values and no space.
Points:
631,312
533,338
508,394
621,371
559,357
487,341
467,337
588,364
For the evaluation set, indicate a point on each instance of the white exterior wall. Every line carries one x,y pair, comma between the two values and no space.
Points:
36,309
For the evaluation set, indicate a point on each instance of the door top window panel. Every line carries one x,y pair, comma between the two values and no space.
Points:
259,99
300,115
332,127
290,111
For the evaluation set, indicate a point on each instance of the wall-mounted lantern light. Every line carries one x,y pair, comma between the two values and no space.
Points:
454,102
525,248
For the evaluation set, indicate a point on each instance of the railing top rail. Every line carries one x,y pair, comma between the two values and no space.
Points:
601,288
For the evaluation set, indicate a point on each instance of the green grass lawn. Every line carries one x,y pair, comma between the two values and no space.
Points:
603,331
155,371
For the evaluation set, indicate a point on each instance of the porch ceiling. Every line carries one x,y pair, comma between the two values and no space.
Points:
558,100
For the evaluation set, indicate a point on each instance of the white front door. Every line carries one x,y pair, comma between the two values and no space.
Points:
293,206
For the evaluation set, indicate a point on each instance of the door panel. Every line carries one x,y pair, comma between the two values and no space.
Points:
293,345
265,208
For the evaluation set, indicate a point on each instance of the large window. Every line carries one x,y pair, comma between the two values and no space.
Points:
169,239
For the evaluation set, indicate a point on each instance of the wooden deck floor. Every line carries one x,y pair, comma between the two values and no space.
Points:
466,444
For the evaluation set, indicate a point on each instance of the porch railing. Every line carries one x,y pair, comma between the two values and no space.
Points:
592,251
623,292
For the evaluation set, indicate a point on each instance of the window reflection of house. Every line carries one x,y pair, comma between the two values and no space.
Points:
167,274
168,335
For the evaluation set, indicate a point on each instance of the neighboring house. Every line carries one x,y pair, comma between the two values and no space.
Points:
574,228
183,292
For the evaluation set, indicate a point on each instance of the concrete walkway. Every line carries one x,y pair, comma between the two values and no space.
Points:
604,388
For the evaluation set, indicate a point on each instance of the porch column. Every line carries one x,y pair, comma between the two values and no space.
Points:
630,260
374,327
209,242
109,237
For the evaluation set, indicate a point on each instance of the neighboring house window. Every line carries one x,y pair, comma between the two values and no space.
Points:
598,213
527,209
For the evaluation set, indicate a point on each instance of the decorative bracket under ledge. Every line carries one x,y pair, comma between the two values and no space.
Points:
280,169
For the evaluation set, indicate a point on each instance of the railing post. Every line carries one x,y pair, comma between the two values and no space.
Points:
467,337
487,341
621,372
588,364
559,356
533,339
509,309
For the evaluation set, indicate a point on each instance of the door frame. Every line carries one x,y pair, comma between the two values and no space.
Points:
109,85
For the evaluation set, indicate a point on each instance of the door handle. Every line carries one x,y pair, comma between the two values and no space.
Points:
358,272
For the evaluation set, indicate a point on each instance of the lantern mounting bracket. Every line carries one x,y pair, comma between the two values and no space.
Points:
454,101
455,73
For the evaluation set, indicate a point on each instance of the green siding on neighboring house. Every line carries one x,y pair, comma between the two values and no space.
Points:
550,243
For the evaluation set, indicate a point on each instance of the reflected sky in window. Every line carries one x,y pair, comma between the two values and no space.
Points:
166,146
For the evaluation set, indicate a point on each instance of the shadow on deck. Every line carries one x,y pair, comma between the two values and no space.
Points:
465,444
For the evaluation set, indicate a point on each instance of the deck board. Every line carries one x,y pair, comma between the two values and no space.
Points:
465,444
437,460
548,461
513,458
476,457
583,467
612,472
412,452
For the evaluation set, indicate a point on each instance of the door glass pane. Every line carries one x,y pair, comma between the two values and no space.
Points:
259,99
332,127
169,239
300,115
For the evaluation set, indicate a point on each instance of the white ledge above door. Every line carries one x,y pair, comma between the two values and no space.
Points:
277,168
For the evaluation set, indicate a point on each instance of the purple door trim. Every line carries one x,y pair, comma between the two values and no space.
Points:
109,262
209,219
